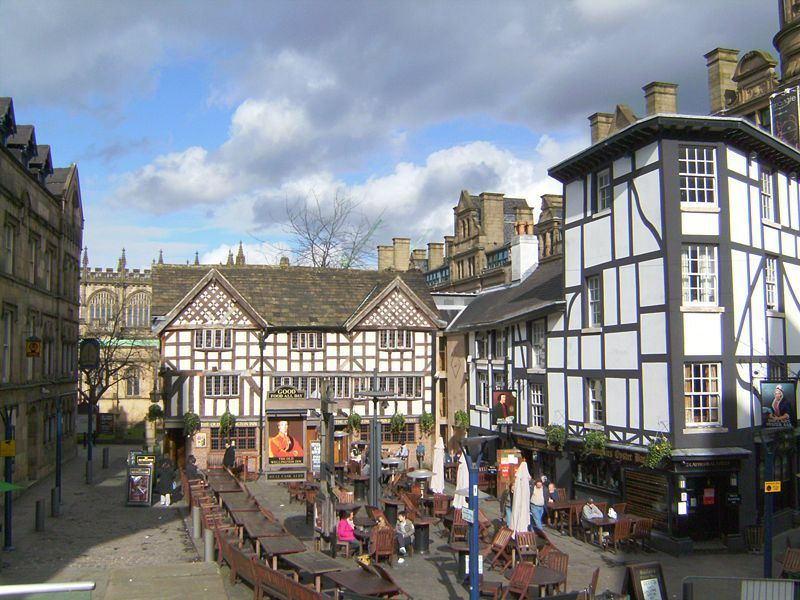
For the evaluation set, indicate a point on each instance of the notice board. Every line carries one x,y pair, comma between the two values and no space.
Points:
645,582
140,485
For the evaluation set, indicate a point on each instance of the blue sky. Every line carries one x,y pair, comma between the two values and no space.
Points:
195,123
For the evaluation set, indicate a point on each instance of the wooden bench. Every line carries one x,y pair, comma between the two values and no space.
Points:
274,584
239,560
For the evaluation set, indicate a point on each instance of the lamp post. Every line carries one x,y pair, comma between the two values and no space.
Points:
262,344
89,361
375,441
473,448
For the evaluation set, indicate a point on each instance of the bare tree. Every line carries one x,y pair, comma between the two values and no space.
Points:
331,235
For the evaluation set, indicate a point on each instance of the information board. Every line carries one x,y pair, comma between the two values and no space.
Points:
140,485
316,456
645,582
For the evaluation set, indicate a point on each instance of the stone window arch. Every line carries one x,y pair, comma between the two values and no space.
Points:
137,310
102,306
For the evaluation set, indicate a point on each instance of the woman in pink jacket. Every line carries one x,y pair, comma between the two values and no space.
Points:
346,532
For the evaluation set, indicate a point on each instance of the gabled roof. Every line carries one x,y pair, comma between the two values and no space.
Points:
288,297
539,293
376,298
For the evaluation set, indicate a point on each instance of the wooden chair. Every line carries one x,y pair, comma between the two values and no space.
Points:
521,579
441,506
343,546
620,534
382,544
500,550
562,494
485,526
490,588
374,512
412,508
526,546
620,507
558,561
603,506
642,530
460,528
589,592
296,493
791,563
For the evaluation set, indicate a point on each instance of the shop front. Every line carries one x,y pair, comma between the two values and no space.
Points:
543,459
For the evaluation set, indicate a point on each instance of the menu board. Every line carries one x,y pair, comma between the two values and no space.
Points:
316,456
140,485
645,582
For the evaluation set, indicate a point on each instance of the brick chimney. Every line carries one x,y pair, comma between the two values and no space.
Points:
402,253
493,219
721,64
385,258
600,124
435,255
661,97
523,221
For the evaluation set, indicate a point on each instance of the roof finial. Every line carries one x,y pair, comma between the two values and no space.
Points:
85,257
123,263
240,255
161,257
230,258
196,257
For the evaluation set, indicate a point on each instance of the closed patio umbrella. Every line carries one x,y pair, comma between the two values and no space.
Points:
462,485
437,481
520,508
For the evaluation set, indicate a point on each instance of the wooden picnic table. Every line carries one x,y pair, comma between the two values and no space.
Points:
598,525
543,577
363,583
237,501
223,483
256,526
314,563
280,546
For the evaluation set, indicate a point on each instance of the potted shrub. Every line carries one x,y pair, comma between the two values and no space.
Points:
658,451
354,422
397,423
191,423
594,442
556,436
426,423
461,420
226,424
155,412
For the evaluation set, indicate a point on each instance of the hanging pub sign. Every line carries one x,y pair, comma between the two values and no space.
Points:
784,114
778,404
504,407
140,485
286,436
33,347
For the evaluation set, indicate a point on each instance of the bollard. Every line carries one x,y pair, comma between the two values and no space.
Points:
106,452
208,542
89,472
40,515
55,509
195,522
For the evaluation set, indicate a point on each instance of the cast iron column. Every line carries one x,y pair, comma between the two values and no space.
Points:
375,456
474,542
9,470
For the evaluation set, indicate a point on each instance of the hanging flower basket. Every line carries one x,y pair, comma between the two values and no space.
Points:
354,422
397,423
155,412
226,424
658,451
191,423
594,442
461,420
426,423
556,436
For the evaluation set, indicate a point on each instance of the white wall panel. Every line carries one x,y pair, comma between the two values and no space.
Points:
654,333
655,384
621,166
633,404
556,398
794,205
572,352
777,347
575,398
781,196
702,333
575,311
621,222
628,301
741,286
646,155
744,398
555,353
737,161
590,352
616,402
651,282
573,202
622,350
597,241
573,273
555,322
771,239
610,297
755,211
738,201
648,187
791,308
788,245
699,223
757,308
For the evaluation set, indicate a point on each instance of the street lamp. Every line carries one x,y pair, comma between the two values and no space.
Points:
88,361
262,344
473,449
375,441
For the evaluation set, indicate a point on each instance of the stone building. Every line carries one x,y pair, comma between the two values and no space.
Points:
117,303
42,220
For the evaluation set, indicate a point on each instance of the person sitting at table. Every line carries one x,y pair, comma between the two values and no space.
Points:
402,453
346,531
192,470
404,530
551,497
591,510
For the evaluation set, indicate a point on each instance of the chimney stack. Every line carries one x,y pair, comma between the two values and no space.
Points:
600,124
402,253
435,255
721,64
449,241
385,258
661,97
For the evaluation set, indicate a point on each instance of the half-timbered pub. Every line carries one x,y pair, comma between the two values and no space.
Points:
234,336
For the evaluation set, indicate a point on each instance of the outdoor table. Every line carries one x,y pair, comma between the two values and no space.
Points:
390,508
362,583
279,546
256,526
360,486
422,527
223,483
597,524
462,550
347,507
364,521
314,563
563,506
339,468
237,501
420,475
543,577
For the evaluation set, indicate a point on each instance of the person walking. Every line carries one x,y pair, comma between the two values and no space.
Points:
420,454
166,479
537,503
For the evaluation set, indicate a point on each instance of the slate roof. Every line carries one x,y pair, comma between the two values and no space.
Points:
56,180
542,290
290,297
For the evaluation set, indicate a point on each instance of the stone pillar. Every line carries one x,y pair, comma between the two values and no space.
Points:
721,64
402,253
385,258
435,255
600,124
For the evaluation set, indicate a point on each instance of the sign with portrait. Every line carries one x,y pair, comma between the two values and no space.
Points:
286,438
504,407
201,440
784,109
140,485
778,404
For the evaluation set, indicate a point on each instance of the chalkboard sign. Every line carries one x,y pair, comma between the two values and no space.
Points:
140,486
645,582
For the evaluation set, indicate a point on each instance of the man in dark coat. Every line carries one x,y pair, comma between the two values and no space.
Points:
229,459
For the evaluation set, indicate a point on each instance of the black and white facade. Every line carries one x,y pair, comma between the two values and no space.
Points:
682,293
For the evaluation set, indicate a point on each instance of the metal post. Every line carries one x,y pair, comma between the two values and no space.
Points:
55,509
59,441
195,521
39,515
89,442
106,452
375,456
262,342
769,470
9,471
474,543
208,545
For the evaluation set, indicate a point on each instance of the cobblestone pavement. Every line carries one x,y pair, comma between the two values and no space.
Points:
133,552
